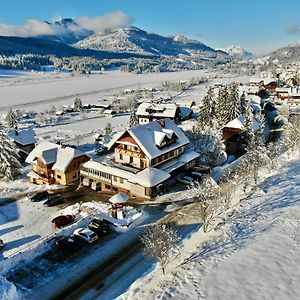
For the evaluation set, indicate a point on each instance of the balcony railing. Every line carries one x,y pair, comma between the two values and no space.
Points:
130,153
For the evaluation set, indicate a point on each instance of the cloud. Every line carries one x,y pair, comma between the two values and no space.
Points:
292,28
31,28
101,23
34,27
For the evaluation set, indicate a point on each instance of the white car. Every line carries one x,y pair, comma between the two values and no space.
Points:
86,234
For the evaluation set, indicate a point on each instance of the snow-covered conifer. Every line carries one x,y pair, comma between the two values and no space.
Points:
11,119
108,129
133,120
78,104
10,166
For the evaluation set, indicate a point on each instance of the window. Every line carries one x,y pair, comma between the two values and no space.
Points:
121,180
142,164
75,176
115,178
58,176
121,156
107,187
130,159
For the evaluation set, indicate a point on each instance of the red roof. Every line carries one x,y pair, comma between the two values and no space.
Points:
127,139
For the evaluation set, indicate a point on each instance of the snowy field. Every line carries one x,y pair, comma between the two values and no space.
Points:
40,93
255,255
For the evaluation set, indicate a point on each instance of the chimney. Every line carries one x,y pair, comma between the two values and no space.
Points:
162,123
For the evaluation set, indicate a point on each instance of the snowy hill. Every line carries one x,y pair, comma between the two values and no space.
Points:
237,51
68,31
135,40
288,54
12,45
254,256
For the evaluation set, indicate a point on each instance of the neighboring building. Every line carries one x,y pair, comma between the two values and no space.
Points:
25,141
55,164
270,84
145,157
149,111
232,134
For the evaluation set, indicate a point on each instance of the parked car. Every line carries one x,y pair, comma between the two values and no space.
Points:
185,179
54,200
85,234
196,176
39,196
99,226
202,169
1,244
63,220
68,243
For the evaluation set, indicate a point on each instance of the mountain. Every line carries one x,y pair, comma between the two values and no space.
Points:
67,30
287,54
237,52
135,40
11,45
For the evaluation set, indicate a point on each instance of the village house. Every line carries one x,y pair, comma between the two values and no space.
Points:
24,140
232,135
149,111
270,84
144,158
55,164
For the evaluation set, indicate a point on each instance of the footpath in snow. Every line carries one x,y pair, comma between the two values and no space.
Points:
254,255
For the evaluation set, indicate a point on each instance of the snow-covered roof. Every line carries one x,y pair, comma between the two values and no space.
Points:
147,137
52,153
269,80
119,198
164,110
238,123
22,137
150,177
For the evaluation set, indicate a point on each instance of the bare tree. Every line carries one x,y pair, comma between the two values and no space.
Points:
211,202
160,241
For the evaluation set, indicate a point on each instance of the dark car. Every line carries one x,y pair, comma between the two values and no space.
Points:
68,243
1,244
99,226
63,220
54,200
39,196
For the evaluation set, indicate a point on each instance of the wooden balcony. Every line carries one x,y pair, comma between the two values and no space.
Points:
130,153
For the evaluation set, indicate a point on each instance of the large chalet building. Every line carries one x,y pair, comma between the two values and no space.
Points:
55,164
143,159
150,111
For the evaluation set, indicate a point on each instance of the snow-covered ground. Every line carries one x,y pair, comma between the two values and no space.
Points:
254,255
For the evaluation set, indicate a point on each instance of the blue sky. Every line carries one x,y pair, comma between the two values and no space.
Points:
257,25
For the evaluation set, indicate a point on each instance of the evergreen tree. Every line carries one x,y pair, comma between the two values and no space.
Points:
11,119
207,111
133,120
222,104
233,107
10,166
108,129
78,105
244,104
